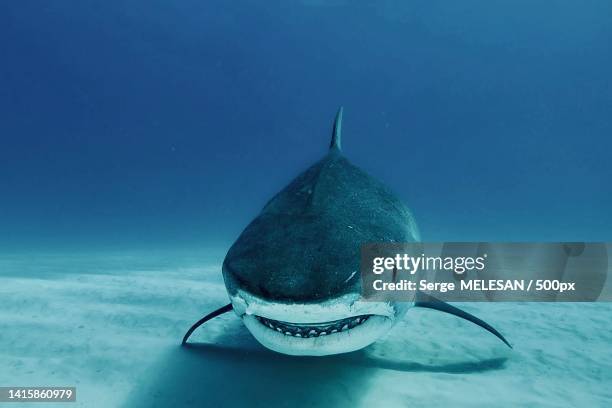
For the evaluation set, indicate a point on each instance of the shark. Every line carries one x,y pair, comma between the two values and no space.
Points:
291,276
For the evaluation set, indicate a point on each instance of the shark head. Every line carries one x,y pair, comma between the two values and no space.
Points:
293,274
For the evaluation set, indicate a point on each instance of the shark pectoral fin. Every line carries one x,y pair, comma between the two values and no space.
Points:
430,302
206,318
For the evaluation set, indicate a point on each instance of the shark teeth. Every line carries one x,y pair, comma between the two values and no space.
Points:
307,330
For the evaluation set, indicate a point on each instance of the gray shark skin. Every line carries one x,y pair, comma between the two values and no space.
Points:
293,273
304,245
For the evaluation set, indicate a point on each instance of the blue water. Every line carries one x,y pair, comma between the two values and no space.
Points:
138,138
160,124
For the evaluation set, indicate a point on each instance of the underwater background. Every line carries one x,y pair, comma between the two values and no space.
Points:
158,124
138,138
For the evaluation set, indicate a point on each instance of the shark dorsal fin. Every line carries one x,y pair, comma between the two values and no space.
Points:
336,139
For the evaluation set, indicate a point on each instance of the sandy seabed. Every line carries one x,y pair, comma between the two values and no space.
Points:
110,324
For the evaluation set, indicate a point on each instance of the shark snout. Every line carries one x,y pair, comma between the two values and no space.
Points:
295,282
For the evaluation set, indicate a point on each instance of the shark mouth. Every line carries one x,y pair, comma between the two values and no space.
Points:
339,325
308,330
317,338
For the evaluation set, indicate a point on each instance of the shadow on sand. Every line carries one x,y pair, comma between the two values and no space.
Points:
218,375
